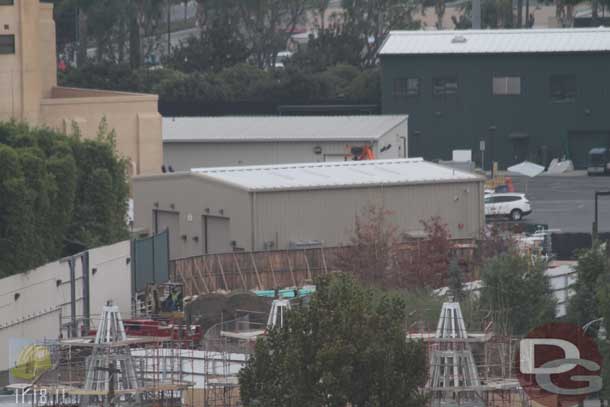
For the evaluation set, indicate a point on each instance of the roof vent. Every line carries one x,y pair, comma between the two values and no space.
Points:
458,39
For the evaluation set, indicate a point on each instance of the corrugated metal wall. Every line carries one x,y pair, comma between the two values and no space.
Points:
296,216
328,215
189,199
184,156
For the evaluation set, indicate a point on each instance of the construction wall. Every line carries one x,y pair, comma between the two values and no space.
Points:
34,304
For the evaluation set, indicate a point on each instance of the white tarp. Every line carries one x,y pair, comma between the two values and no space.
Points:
527,168
559,167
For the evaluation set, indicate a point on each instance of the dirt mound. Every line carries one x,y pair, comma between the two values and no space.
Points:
208,310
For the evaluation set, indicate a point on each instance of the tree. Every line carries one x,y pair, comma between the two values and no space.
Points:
41,212
439,10
603,304
117,28
373,248
427,263
371,21
517,293
591,272
320,8
268,24
494,14
330,46
564,12
346,347
220,44
215,49
100,210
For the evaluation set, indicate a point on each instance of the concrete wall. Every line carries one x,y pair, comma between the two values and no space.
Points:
183,156
188,197
134,117
283,217
44,295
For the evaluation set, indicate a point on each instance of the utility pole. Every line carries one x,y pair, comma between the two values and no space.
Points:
595,231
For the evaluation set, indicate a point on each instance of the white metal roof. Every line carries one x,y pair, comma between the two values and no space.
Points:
278,128
335,174
497,41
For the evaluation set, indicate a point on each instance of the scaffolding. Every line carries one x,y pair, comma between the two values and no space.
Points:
468,368
226,348
112,369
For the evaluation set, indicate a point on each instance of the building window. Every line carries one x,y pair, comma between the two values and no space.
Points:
563,88
506,85
444,86
7,44
6,2
406,87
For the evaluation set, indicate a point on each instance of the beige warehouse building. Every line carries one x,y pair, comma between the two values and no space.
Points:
29,91
190,142
217,210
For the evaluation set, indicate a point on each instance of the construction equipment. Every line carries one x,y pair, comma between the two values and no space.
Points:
164,318
361,153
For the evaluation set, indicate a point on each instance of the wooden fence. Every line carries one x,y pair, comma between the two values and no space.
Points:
252,270
263,270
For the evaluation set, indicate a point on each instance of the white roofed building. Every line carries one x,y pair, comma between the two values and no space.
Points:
251,140
215,210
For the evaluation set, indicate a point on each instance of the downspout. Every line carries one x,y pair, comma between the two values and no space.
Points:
73,328
86,293
252,213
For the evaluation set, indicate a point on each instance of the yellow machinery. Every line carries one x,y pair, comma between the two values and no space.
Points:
32,362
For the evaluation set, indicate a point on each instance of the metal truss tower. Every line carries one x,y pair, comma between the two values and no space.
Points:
111,372
453,373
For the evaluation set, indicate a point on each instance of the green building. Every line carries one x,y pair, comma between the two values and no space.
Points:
518,94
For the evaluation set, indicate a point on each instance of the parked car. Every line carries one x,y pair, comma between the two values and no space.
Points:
513,205
599,161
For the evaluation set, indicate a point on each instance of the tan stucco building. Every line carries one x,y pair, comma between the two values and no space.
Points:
29,91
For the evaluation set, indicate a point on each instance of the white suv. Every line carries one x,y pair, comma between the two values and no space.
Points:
513,205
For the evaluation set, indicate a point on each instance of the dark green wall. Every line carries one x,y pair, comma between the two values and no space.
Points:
439,125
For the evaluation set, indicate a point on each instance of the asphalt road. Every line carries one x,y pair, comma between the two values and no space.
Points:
566,202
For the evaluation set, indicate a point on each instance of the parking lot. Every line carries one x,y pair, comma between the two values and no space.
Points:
566,202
